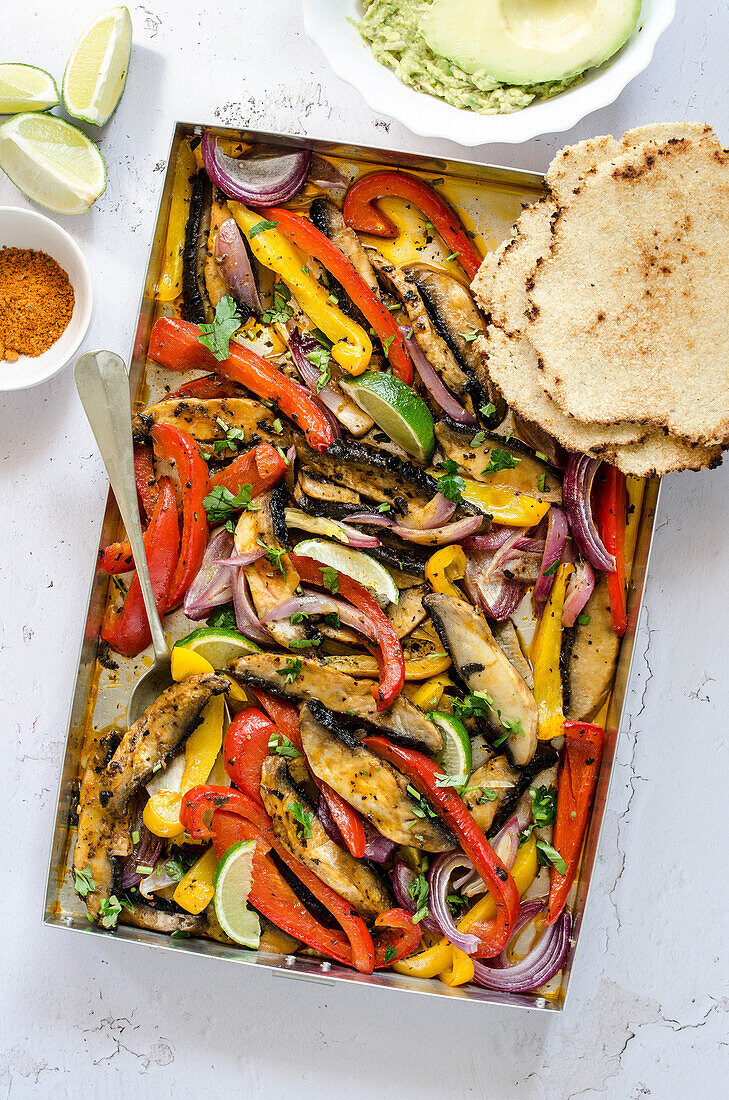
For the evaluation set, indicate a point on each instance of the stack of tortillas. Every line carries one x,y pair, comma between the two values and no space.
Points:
609,306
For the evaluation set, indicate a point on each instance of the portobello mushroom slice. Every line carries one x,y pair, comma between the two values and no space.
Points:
482,665
275,672
92,854
458,321
544,758
162,915
372,786
163,728
215,284
488,788
195,302
319,497
589,655
399,283
328,220
480,463
506,636
525,569
409,612
353,879
201,418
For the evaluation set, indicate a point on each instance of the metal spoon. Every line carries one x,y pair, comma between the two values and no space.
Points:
103,386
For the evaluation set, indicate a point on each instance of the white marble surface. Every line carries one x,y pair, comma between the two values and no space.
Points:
79,1015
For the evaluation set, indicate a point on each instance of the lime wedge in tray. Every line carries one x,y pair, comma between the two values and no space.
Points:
455,757
232,885
25,88
97,68
397,409
218,645
353,563
52,162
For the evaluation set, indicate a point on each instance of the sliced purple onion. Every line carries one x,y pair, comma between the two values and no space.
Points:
325,175
377,847
376,518
213,584
576,489
535,437
328,823
245,616
580,587
506,841
246,558
441,874
554,545
317,604
437,512
440,536
497,596
263,181
145,852
403,877
331,399
235,266
434,384
158,880
535,969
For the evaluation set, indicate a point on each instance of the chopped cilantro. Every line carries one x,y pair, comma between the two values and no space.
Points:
331,618
386,343
499,459
84,882
321,357
552,569
298,617
220,503
303,818
390,953
231,439
584,619
304,643
274,556
119,584
305,269
280,311
438,182
277,426
453,256
478,439
135,836
384,507
456,902
330,578
291,670
547,854
261,227
451,485
419,890
457,781
216,336
476,705
542,482
488,410
469,337
281,745
223,617
179,934
110,909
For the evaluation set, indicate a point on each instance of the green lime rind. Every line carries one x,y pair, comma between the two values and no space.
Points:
353,563
232,884
218,645
397,409
455,758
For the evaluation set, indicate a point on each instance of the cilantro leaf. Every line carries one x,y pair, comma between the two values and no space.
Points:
281,310
386,343
542,482
544,805
478,439
84,882
499,459
330,578
223,617
110,909
451,485
303,818
551,570
216,336
220,503
469,337
304,643
547,854
261,227
475,705
281,745
488,410
390,953
584,619
291,670
274,556
419,890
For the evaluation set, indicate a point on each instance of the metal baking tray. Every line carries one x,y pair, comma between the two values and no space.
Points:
490,196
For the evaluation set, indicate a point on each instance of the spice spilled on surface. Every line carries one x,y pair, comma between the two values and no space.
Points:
36,302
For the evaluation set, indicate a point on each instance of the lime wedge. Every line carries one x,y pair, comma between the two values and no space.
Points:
455,756
25,88
353,563
217,645
97,68
397,409
232,885
52,162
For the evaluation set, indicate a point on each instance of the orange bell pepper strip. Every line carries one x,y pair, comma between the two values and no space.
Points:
117,558
175,344
423,773
361,214
210,387
198,801
611,513
262,467
304,234
389,650
245,748
126,629
177,446
576,783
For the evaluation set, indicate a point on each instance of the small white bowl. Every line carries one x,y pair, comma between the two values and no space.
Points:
28,229
329,23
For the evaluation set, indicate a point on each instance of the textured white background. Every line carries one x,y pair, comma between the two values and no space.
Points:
79,1015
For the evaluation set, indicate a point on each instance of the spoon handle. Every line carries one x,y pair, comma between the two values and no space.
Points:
103,386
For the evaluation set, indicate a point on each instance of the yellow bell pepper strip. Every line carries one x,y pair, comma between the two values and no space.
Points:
429,694
359,664
504,505
352,347
444,567
439,958
461,969
195,890
169,286
161,813
545,654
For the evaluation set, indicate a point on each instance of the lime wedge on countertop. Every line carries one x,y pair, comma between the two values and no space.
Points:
353,563
97,68
232,885
397,409
25,88
52,162
218,645
455,757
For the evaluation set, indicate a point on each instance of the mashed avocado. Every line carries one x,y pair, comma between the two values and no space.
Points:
392,30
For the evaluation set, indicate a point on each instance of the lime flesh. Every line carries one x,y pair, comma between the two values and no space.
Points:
25,88
353,563
219,646
455,757
397,409
52,162
97,68
232,885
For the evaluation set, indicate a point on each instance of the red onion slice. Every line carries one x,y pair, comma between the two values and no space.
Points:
403,877
497,596
576,489
441,874
235,266
554,545
325,175
330,398
370,517
146,850
258,182
436,513
539,440
213,584
440,536
245,616
377,847
434,384
494,539
535,969
247,558
580,587
318,604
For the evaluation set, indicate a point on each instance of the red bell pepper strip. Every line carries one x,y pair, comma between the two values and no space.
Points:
175,344
612,516
304,234
423,773
271,895
262,467
209,387
144,475
389,654
348,821
177,446
126,629
579,767
399,935
192,815
361,214
245,748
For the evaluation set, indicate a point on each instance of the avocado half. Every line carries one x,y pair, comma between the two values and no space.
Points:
529,41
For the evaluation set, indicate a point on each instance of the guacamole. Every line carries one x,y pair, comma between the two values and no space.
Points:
392,30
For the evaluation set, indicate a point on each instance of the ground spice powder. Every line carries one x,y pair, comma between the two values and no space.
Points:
36,302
